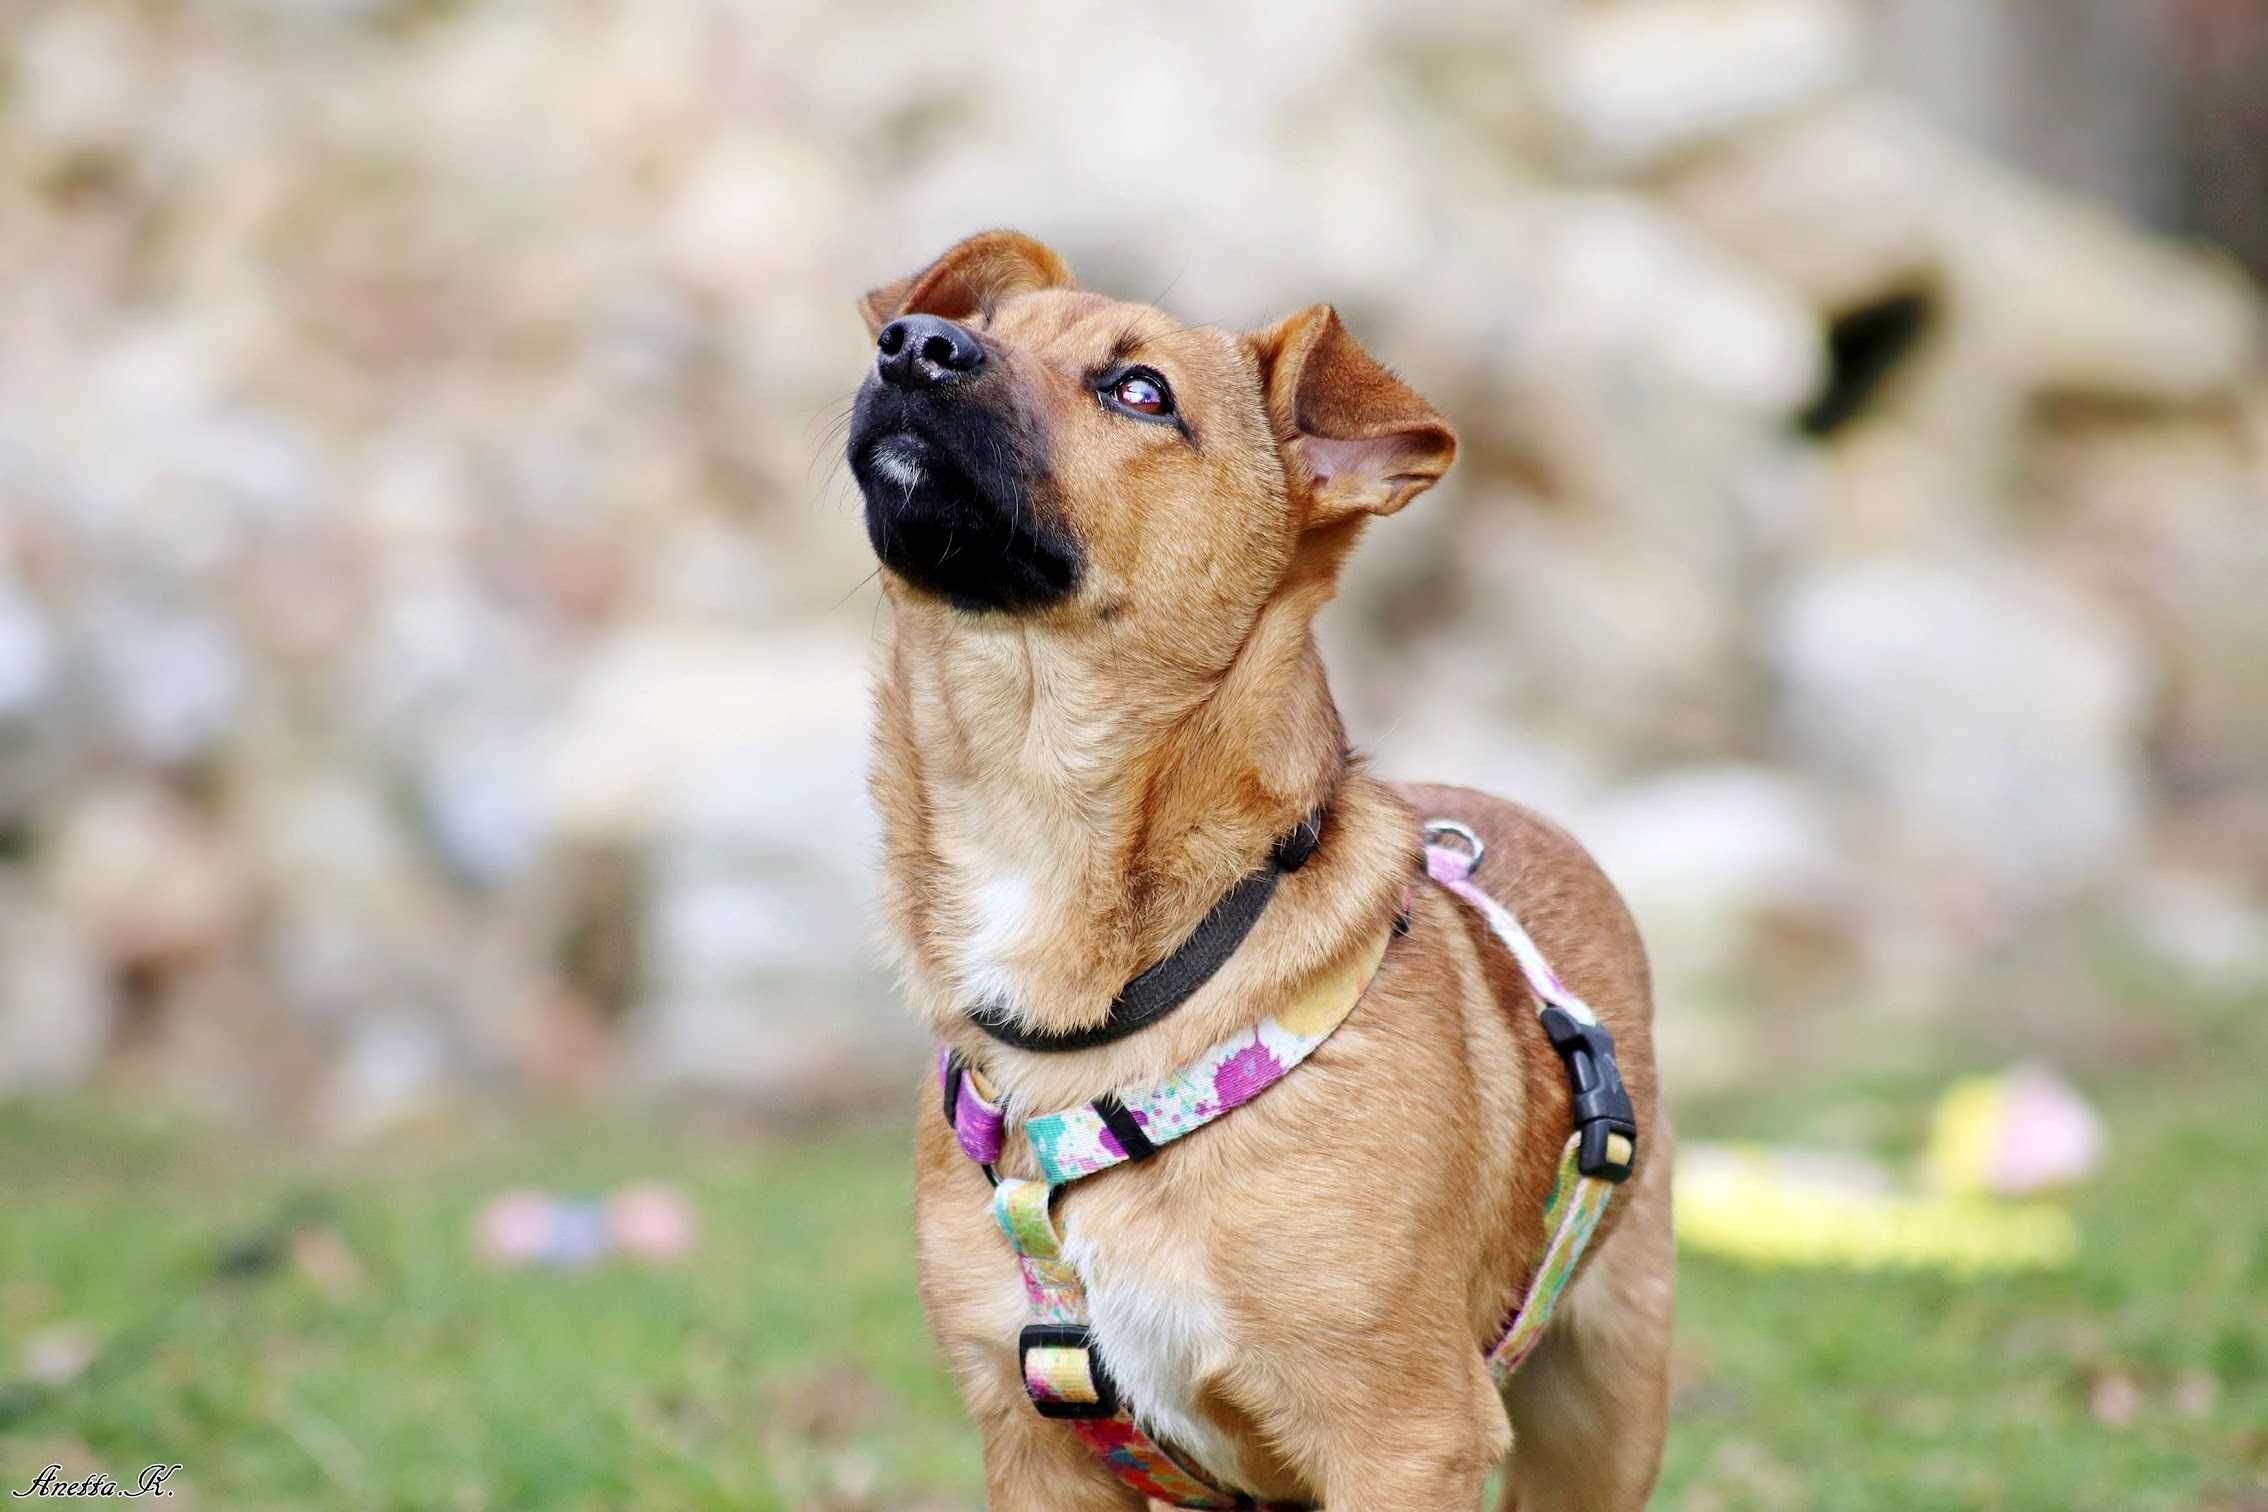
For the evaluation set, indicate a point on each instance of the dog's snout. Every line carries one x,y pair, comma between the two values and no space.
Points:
921,351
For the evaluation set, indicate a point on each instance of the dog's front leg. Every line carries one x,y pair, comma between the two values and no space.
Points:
1032,1464
1426,1444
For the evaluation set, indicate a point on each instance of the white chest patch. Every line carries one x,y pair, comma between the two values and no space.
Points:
1160,1333
1004,919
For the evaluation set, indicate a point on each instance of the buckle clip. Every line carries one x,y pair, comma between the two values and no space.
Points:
1066,1336
1601,1106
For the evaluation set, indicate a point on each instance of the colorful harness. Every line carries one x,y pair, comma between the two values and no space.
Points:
1064,1374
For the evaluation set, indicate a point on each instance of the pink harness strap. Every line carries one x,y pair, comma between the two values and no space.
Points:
1600,1153
1453,869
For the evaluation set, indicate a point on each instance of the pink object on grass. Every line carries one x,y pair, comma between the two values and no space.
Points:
651,1222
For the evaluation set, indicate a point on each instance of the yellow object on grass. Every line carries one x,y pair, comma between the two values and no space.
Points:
1970,1121
1766,1207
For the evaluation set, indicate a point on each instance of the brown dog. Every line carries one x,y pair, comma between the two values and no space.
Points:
1106,534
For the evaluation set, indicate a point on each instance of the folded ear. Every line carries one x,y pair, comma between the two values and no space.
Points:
989,266
1354,437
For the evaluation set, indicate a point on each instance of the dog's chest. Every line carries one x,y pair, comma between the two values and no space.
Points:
1162,1330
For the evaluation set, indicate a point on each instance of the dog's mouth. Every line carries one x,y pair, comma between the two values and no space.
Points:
964,523
924,478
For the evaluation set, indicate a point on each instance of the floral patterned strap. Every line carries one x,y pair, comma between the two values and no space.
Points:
1571,1216
977,1120
1095,1136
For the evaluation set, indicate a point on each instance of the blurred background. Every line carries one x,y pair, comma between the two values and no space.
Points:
434,637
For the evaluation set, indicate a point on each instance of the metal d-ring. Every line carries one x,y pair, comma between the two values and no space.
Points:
1462,831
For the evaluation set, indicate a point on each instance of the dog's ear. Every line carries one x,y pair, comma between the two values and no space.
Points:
989,266
1354,437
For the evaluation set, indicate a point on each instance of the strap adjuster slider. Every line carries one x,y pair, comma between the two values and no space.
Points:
1044,1379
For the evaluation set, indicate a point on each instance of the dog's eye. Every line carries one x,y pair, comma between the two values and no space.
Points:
1138,391
1143,392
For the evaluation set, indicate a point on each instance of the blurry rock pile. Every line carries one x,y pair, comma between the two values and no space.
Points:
432,623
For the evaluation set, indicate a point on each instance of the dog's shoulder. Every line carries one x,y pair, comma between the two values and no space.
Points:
1537,869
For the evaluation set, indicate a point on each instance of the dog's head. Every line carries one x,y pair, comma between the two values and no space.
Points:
1030,449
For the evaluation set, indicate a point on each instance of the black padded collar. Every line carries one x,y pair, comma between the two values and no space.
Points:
1174,980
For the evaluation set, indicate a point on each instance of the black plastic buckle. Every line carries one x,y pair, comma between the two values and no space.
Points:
1601,1107
1067,1336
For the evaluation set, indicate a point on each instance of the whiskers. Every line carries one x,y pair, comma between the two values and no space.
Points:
827,452
854,588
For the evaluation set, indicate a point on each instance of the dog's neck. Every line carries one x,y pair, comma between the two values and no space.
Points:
1057,820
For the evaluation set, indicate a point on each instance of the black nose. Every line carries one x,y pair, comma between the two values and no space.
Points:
921,351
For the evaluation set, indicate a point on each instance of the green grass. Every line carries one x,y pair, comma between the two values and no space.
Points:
785,1364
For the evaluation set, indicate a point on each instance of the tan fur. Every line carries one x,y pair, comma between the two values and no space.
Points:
1065,792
